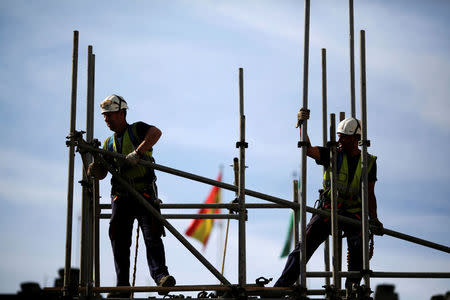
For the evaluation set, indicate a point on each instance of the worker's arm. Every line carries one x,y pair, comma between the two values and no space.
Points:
312,151
151,138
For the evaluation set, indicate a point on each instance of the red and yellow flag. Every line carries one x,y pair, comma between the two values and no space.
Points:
201,228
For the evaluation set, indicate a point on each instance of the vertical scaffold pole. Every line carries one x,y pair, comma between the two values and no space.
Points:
87,228
326,249
334,219
296,212
352,61
73,113
303,133
241,195
364,163
96,195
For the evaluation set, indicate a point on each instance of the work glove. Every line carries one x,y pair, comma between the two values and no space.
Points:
376,227
96,170
302,115
133,158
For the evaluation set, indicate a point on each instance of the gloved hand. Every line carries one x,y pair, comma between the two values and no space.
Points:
376,227
96,170
302,115
133,158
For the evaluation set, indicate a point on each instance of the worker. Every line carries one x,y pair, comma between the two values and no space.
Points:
136,141
348,184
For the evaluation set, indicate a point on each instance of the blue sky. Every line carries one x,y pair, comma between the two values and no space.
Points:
176,63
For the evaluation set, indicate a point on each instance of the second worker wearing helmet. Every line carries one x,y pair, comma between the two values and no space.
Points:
349,200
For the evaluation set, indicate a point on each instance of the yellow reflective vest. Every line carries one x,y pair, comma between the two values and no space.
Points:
349,193
139,176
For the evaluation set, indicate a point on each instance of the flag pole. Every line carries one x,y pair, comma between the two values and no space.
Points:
236,176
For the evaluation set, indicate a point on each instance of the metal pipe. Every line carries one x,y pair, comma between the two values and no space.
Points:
356,274
280,203
303,133
96,216
96,193
296,212
166,224
190,216
232,206
334,219
87,228
339,256
236,180
364,164
326,247
352,61
241,188
73,112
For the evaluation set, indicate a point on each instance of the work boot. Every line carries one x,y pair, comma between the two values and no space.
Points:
167,280
119,295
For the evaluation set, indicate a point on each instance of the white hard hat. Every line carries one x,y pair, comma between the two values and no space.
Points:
349,126
113,103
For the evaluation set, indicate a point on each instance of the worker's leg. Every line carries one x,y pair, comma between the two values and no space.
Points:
152,231
120,230
317,231
355,253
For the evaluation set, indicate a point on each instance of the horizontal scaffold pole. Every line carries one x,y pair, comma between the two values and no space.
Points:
187,216
282,202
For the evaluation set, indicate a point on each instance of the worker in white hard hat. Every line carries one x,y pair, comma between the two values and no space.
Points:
136,141
349,200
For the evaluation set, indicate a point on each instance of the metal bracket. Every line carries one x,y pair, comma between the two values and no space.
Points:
303,143
365,143
331,144
299,292
262,281
240,144
331,292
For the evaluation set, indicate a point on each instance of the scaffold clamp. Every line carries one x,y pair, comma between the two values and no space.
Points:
242,143
303,143
262,281
300,292
331,144
364,143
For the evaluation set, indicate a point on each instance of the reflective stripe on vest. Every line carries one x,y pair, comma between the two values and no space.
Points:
135,175
349,195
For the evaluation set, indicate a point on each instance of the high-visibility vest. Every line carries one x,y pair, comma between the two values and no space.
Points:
139,176
349,194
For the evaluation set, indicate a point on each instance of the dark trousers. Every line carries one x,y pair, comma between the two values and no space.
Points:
124,210
317,230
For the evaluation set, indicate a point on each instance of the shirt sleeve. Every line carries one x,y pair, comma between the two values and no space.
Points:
324,157
141,129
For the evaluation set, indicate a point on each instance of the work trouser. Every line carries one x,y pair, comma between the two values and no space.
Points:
125,209
317,231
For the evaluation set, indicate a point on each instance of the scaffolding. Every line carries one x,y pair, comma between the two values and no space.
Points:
92,210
